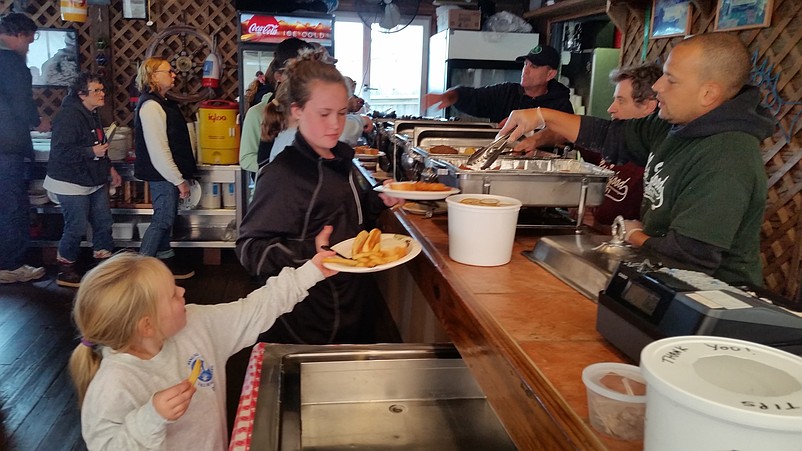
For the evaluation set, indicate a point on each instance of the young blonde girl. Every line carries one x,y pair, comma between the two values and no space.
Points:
140,342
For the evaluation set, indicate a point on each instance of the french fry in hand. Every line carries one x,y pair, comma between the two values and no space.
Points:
340,261
196,370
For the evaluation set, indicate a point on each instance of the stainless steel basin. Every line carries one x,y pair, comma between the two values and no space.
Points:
400,397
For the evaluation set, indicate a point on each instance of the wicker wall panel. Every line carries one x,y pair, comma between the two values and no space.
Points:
778,51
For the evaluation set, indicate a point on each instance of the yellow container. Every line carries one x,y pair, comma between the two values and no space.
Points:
218,132
73,10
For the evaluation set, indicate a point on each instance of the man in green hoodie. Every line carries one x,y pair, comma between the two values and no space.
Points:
18,115
705,182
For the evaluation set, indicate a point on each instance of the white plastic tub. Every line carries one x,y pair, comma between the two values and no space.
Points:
715,393
482,235
141,228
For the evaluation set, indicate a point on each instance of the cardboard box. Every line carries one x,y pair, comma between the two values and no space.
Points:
459,19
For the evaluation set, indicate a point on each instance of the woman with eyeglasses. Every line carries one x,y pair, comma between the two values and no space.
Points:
164,158
77,172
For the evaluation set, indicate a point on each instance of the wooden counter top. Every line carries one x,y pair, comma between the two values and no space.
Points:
525,335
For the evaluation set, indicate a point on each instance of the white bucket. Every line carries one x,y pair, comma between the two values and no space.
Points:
719,393
210,195
481,235
122,231
229,195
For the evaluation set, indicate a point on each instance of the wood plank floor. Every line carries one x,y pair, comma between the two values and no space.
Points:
38,407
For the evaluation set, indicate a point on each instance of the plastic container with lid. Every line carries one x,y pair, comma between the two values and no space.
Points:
721,393
616,399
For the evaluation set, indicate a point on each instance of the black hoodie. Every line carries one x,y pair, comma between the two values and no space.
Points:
496,102
705,183
75,131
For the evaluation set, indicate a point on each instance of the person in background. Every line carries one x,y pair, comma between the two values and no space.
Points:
18,116
164,158
251,137
77,172
537,88
705,191
307,186
633,98
140,342
254,87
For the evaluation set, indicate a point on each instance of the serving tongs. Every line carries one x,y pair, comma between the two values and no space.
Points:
488,154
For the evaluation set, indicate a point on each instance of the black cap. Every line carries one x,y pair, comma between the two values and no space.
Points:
289,48
542,55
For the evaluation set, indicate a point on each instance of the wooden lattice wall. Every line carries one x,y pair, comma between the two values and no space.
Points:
778,48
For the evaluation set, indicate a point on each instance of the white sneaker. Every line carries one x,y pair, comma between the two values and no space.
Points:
22,274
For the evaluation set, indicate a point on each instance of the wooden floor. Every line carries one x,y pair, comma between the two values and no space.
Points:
38,408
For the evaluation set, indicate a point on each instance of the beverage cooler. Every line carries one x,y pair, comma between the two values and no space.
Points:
474,58
259,34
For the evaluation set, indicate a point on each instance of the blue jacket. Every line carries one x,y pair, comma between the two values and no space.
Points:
75,131
18,112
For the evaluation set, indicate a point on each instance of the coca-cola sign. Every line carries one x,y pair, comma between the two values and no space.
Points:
274,29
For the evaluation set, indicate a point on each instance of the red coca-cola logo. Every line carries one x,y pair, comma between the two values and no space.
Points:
263,25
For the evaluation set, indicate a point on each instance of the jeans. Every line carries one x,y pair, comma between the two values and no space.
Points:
156,242
14,212
80,210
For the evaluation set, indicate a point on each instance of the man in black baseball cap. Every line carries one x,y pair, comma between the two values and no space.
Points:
537,88
541,55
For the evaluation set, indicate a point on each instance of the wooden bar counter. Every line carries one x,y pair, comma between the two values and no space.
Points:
524,334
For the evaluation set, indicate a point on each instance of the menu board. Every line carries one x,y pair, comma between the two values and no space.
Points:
274,29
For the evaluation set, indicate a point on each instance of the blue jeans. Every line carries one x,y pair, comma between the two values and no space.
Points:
156,242
80,210
15,234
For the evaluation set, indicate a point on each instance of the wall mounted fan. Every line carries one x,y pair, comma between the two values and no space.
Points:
386,13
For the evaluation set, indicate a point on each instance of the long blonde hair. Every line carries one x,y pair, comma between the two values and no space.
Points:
144,75
113,297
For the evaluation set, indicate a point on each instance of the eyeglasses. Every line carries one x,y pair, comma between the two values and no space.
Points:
97,91
172,71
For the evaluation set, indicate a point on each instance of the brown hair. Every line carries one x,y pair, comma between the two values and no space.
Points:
144,75
113,297
305,70
301,72
642,77
276,113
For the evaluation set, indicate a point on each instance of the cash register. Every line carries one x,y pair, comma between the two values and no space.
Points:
644,302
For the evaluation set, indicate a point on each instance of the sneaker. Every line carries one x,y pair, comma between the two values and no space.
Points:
180,272
68,275
22,274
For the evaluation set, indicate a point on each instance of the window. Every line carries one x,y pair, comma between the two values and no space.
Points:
388,68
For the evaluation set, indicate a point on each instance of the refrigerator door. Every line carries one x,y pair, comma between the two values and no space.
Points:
601,89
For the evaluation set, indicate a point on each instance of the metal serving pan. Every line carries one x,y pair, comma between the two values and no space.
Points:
536,182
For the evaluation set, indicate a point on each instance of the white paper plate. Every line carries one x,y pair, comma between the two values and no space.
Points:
419,209
365,156
194,198
416,195
388,240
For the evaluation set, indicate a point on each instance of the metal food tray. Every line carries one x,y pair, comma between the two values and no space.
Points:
536,182
424,138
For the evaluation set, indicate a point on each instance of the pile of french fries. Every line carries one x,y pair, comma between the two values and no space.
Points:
366,251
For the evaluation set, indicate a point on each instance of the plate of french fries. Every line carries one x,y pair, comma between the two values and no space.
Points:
372,251
417,190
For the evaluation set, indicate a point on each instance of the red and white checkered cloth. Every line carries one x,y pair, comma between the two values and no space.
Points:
246,409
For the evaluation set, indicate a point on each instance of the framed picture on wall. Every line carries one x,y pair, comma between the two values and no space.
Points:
740,14
670,18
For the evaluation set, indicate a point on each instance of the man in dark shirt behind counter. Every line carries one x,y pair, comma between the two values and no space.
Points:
706,190
538,88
